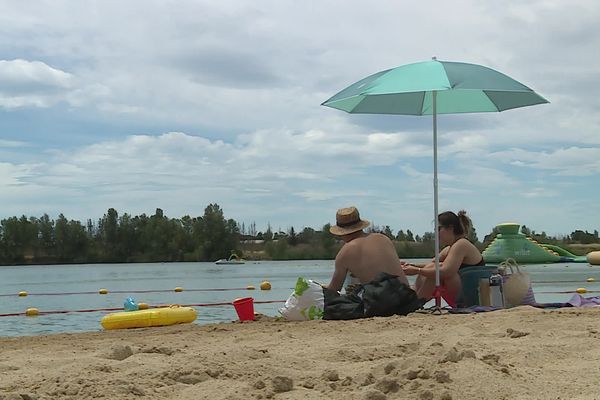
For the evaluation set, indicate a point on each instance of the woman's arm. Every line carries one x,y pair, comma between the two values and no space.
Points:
450,264
443,253
455,256
428,269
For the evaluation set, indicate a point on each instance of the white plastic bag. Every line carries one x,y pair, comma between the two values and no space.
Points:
305,303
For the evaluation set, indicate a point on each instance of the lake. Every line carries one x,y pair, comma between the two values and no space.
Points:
46,283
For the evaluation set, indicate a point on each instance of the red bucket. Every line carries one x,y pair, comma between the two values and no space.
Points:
244,308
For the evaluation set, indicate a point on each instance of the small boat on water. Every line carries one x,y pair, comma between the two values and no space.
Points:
233,259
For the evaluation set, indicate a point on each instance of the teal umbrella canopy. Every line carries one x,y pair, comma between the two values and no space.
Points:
431,88
460,88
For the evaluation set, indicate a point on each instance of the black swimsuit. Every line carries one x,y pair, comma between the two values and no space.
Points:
479,264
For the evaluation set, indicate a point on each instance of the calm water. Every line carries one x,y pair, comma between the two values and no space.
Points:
167,276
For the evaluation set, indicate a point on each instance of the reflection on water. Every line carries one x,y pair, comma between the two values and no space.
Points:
166,276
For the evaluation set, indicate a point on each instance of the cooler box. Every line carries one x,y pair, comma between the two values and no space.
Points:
470,276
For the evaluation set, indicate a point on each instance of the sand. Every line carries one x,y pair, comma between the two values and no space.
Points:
521,353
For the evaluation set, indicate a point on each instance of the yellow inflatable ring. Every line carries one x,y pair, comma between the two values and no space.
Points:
147,318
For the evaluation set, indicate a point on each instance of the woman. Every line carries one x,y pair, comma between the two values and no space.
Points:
457,254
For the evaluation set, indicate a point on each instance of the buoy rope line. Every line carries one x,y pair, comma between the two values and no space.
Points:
178,289
579,281
580,291
121,308
128,291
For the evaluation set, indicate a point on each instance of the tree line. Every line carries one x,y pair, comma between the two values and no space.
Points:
157,238
118,238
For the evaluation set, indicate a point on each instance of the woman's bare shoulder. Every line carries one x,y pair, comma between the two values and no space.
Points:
463,244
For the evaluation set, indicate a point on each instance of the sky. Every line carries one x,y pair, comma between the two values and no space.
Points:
143,104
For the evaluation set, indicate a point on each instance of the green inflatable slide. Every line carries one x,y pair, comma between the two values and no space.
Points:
509,243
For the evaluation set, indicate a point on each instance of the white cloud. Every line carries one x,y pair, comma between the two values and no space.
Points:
244,80
572,161
12,143
24,83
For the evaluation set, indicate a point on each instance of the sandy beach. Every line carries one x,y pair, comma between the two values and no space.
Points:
521,353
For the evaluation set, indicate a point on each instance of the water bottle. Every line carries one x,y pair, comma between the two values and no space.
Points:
130,304
496,292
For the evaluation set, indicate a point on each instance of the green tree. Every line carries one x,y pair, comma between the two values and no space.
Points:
328,242
77,248
61,235
127,238
71,240
387,231
19,239
292,238
268,235
308,235
277,249
46,243
219,237
428,237
107,231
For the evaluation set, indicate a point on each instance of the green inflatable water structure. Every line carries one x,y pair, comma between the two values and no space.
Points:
509,243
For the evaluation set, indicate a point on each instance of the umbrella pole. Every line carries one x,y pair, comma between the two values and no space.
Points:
437,292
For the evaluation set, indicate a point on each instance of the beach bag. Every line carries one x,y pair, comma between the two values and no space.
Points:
382,297
516,285
386,295
305,303
344,306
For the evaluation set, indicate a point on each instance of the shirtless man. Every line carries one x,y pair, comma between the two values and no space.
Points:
364,255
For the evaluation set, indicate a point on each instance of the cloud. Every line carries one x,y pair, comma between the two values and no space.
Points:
238,86
24,83
571,161
12,143
13,175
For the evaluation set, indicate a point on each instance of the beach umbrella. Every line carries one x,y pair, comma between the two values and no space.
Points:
431,88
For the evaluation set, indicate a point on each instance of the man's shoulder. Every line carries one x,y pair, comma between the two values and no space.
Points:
367,241
380,237
349,247
375,235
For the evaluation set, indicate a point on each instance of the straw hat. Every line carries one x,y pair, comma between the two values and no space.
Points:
348,221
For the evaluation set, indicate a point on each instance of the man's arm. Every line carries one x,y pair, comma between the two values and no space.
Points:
339,274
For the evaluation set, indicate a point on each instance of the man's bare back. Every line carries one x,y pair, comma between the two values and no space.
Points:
365,255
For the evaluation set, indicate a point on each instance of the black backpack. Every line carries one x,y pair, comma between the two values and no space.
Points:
382,297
